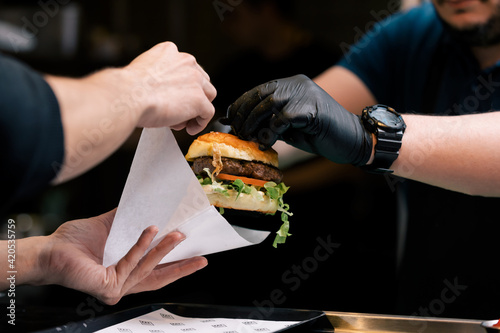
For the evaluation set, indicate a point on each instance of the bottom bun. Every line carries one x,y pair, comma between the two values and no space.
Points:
241,202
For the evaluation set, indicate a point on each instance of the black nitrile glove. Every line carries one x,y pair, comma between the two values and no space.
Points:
302,114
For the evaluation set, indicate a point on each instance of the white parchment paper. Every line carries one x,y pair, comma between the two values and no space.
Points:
162,190
164,321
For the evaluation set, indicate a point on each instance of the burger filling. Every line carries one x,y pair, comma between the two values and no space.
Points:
231,166
249,177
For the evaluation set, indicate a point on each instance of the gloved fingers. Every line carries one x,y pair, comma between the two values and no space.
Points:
238,112
295,125
299,115
266,138
258,118
272,130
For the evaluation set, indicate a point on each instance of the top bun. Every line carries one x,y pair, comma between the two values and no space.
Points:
230,146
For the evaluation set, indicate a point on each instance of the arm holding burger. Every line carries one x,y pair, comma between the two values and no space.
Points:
72,257
88,119
54,128
161,88
453,148
454,152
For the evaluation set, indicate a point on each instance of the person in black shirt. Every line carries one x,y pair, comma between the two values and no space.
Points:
54,128
440,60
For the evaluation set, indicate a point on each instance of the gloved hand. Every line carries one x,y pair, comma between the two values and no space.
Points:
302,114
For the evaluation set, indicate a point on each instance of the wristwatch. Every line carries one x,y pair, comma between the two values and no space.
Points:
388,127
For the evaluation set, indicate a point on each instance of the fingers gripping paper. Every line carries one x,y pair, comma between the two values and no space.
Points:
162,190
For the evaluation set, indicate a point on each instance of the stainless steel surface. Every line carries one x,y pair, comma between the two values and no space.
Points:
360,322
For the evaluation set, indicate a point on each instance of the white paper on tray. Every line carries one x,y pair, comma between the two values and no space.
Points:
162,320
162,190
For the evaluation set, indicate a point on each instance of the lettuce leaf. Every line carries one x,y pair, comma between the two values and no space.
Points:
271,189
276,191
241,187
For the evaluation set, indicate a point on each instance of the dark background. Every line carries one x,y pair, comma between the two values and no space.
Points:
337,207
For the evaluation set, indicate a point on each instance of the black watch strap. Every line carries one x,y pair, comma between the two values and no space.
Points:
388,127
386,151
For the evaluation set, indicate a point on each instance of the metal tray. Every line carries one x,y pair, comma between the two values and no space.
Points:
308,320
364,323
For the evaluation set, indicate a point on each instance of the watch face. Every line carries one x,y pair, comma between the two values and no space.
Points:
387,119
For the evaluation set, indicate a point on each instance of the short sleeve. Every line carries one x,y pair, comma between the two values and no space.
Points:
393,57
31,132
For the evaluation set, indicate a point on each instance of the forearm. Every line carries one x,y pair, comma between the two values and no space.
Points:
460,153
21,261
160,88
97,118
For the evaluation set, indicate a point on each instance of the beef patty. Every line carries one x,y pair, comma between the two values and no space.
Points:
242,168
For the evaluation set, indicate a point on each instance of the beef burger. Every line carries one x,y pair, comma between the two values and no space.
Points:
236,174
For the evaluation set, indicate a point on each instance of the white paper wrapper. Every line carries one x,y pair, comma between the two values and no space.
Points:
162,190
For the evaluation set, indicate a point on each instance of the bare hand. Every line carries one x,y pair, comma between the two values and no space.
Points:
74,260
160,88
178,92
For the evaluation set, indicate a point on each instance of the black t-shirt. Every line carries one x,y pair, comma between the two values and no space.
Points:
31,132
